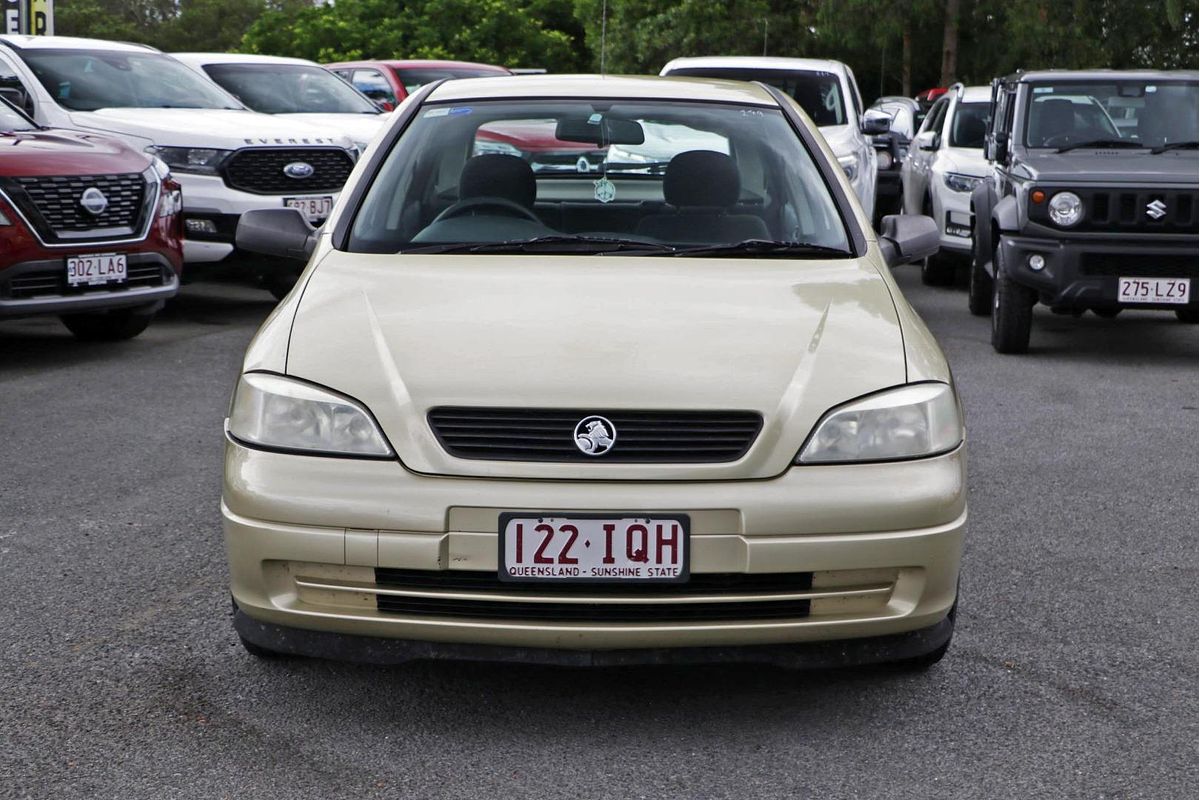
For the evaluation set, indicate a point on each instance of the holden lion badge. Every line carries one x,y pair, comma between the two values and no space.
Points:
594,436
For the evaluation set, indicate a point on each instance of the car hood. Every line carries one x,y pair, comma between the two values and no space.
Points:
964,160
359,128
55,152
842,139
206,127
1111,166
786,339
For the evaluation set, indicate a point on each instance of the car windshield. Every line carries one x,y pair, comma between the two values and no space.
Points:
818,93
85,80
414,78
1149,113
970,125
289,89
583,176
12,120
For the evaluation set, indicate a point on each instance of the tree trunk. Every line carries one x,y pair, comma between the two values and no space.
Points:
906,60
950,44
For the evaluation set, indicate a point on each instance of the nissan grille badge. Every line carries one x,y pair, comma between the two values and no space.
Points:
298,170
1156,209
594,436
93,201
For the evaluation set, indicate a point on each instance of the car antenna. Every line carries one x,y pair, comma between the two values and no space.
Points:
603,35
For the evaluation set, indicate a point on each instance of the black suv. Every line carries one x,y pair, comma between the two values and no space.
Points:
1091,203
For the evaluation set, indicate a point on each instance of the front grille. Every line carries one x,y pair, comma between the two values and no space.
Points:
1128,210
260,170
1127,265
519,434
728,607
53,282
53,205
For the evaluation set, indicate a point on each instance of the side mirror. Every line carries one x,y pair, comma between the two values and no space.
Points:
1001,144
14,96
875,122
385,105
905,238
281,232
929,140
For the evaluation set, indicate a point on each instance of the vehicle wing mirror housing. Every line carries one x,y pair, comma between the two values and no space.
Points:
905,238
929,140
875,122
996,148
281,232
14,96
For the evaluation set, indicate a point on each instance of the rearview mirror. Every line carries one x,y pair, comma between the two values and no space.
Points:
600,131
905,238
281,232
875,122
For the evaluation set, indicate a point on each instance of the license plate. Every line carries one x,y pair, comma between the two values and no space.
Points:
97,269
599,548
1154,290
314,208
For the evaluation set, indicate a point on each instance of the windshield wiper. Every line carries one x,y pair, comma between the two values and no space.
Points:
1162,148
763,247
557,243
1102,143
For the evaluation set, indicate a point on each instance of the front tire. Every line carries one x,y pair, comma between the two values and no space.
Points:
1012,315
1187,316
1106,313
937,269
980,287
111,326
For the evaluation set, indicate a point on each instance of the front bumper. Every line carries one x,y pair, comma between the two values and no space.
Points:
1083,273
32,288
208,198
315,544
954,218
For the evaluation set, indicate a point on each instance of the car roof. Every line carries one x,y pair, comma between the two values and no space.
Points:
416,63
240,58
72,43
977,94
624,87
1103,74
757,62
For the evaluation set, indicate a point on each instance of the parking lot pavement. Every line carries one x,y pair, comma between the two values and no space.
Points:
1073,672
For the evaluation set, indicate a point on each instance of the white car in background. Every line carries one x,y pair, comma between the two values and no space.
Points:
827,92
292,88
228,159
944,165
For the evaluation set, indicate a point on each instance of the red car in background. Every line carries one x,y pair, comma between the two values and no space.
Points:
389,82
89,230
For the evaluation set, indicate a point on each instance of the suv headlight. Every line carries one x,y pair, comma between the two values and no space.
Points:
1066,209
849,165
957,182
914,421
202,160
278,413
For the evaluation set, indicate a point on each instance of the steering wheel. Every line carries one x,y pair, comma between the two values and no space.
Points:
497,203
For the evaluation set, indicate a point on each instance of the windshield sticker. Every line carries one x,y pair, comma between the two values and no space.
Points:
460,110
594,119
1043,89
605,191
436,112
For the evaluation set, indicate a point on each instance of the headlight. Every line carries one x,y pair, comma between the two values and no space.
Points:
283,414
961,183
484,147
202,160
883,159
910,422
849,166
1066,209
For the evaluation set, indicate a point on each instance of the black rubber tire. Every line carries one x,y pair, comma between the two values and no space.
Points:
258,651
1106,313
979,287
111,326
1187,316
1012,315
938,270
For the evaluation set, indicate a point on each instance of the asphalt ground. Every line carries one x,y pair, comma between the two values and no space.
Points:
1073,671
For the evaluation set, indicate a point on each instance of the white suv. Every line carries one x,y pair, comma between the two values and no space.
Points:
827,92
228,159
944,165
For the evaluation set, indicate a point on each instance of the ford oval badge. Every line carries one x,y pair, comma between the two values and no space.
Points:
298,169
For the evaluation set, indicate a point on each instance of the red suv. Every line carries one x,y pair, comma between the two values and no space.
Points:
389,82
89,230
